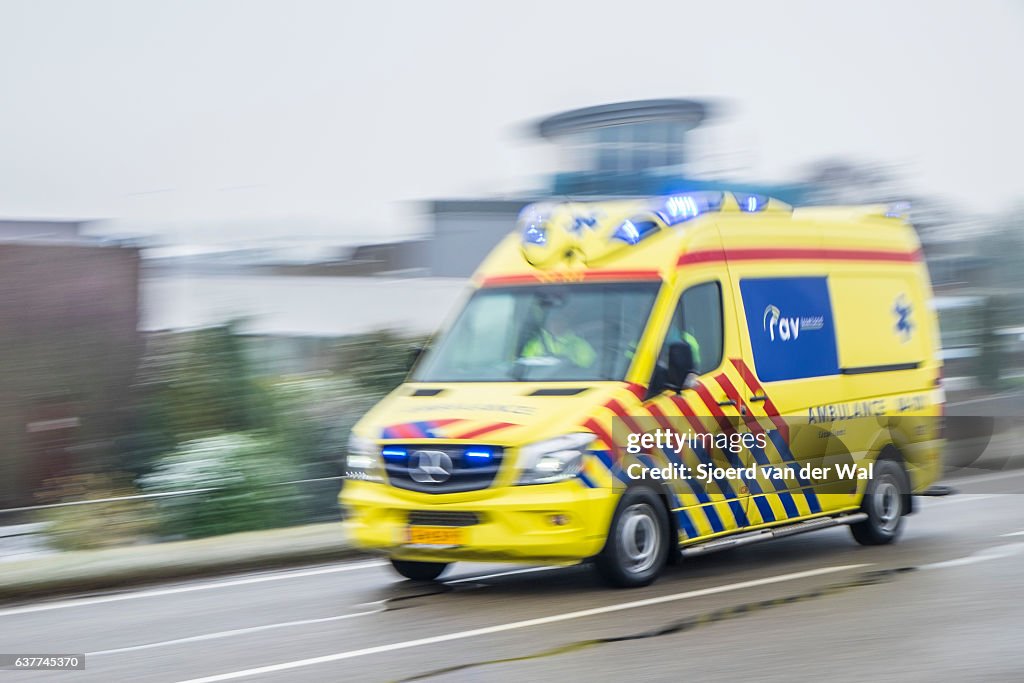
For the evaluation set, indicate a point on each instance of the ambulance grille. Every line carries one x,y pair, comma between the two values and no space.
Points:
442,518
463,474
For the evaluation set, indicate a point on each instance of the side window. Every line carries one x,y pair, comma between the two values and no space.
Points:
698,321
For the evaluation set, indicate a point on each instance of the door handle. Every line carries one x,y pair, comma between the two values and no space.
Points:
742,408
760,397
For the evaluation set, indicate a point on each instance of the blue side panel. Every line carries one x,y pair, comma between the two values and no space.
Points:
792,332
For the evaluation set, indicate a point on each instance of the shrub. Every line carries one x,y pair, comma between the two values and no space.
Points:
240,481
96,525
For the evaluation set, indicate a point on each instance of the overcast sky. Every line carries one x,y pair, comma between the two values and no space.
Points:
168,112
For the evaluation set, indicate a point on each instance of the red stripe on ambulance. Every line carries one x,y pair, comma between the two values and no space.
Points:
755,387
486,429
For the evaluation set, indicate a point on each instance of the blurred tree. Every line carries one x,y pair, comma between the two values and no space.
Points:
1001,246
844,181
214,388
192,384
1001,280
378,361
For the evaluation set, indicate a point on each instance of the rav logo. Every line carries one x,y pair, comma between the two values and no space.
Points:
788,328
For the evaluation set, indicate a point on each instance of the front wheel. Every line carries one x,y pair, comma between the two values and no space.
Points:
419,571
638,542
884,504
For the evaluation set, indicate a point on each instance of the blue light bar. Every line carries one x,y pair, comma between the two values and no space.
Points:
683,207
633,231
751,203
393,454
898,210
478,455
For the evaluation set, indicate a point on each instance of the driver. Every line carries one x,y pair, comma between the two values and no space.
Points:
556,339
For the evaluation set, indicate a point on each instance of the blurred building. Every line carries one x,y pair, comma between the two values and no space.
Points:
622,149
69,349
42,230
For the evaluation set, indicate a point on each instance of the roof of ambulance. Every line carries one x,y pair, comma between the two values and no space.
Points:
638,239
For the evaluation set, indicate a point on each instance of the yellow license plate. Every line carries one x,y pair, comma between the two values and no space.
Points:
435,535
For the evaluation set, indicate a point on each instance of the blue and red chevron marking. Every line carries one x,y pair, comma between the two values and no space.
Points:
436,429
427,429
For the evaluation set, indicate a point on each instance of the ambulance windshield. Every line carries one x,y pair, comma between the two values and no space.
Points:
543,333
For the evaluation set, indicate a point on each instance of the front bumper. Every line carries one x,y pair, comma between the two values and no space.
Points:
551,523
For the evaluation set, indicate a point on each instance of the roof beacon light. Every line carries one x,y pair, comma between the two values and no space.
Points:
751,203
632,231
533,219
535,234
683,207
898,210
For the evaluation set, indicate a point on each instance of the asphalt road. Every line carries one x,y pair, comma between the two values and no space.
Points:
944,603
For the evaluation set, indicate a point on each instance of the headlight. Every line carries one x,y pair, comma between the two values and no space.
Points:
363,460
553,460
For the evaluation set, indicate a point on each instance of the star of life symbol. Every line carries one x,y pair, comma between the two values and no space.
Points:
902,309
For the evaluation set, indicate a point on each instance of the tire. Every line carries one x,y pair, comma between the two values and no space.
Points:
638,541
419,571
885,505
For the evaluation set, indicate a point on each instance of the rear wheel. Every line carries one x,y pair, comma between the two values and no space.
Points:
419,571
638,541
884,504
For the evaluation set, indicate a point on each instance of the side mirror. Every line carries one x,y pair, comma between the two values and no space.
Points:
680,365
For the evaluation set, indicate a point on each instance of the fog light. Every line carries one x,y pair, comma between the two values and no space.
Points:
559,520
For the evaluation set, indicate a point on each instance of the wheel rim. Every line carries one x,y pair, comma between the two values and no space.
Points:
887,505
639,538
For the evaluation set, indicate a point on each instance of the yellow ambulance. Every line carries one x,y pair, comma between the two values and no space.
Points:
631,382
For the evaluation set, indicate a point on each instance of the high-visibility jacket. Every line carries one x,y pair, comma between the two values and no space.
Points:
568,346
695,345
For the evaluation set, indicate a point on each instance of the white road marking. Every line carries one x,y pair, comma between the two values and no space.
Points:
962,498
978,478
527,623
374,607
228,634
996,552
983,399
1015,533
187,588
510,572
